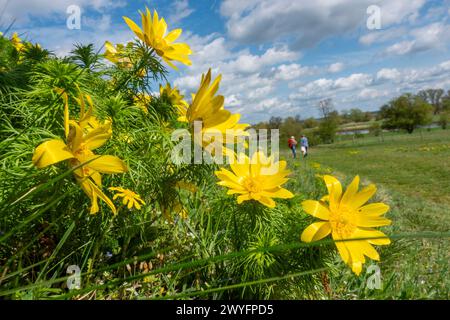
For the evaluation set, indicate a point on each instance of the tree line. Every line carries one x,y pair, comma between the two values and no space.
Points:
406,112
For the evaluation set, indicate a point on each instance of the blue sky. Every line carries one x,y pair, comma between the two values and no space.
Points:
277,57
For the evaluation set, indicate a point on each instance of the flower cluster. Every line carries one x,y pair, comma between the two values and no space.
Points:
83,136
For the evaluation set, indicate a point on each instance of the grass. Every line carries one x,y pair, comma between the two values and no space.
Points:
417,165
412,173
351,126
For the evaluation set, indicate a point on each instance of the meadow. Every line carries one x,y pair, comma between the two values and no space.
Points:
412,172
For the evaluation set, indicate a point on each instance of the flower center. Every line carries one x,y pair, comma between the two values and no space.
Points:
82,150
342,222
252,185
130,194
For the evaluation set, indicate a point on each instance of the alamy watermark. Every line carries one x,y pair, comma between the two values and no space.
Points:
374,20
73,21
74,280
374,280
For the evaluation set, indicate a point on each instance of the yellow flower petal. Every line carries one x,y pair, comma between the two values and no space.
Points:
278,193
370,221
379,237
342,249
352,189
356,255
316,231
134,27
316,209
243,198
91,189
107,164
173,35
363,196
373,209
98,137
241,166
267,201
51,152
333,185
356,267
369,250
226,175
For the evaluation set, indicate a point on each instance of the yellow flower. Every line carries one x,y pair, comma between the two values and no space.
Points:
129,197
82,138
115,54
142,100
208,108
175,97
153,34
346,217
17,42
259,179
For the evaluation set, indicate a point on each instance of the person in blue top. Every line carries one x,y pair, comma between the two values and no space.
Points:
304,145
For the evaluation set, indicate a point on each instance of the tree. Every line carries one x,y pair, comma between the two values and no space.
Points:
325,107
290,127
327,130
444,119
310,123
275,122
330,121
446,102
406,112
375,129
433,97
356,115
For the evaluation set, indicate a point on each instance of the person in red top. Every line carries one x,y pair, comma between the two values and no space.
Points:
292,143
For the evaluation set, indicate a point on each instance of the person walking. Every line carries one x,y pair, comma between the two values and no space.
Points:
304,145
292,143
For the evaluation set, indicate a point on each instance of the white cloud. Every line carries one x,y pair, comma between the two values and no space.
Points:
180,10
259,93
336,67
371,91
395,12
432,36
249,80
308,22
292,71
188,83
400,48
21,11
368,93
249,63
354,81
102,24
388,74
383,35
